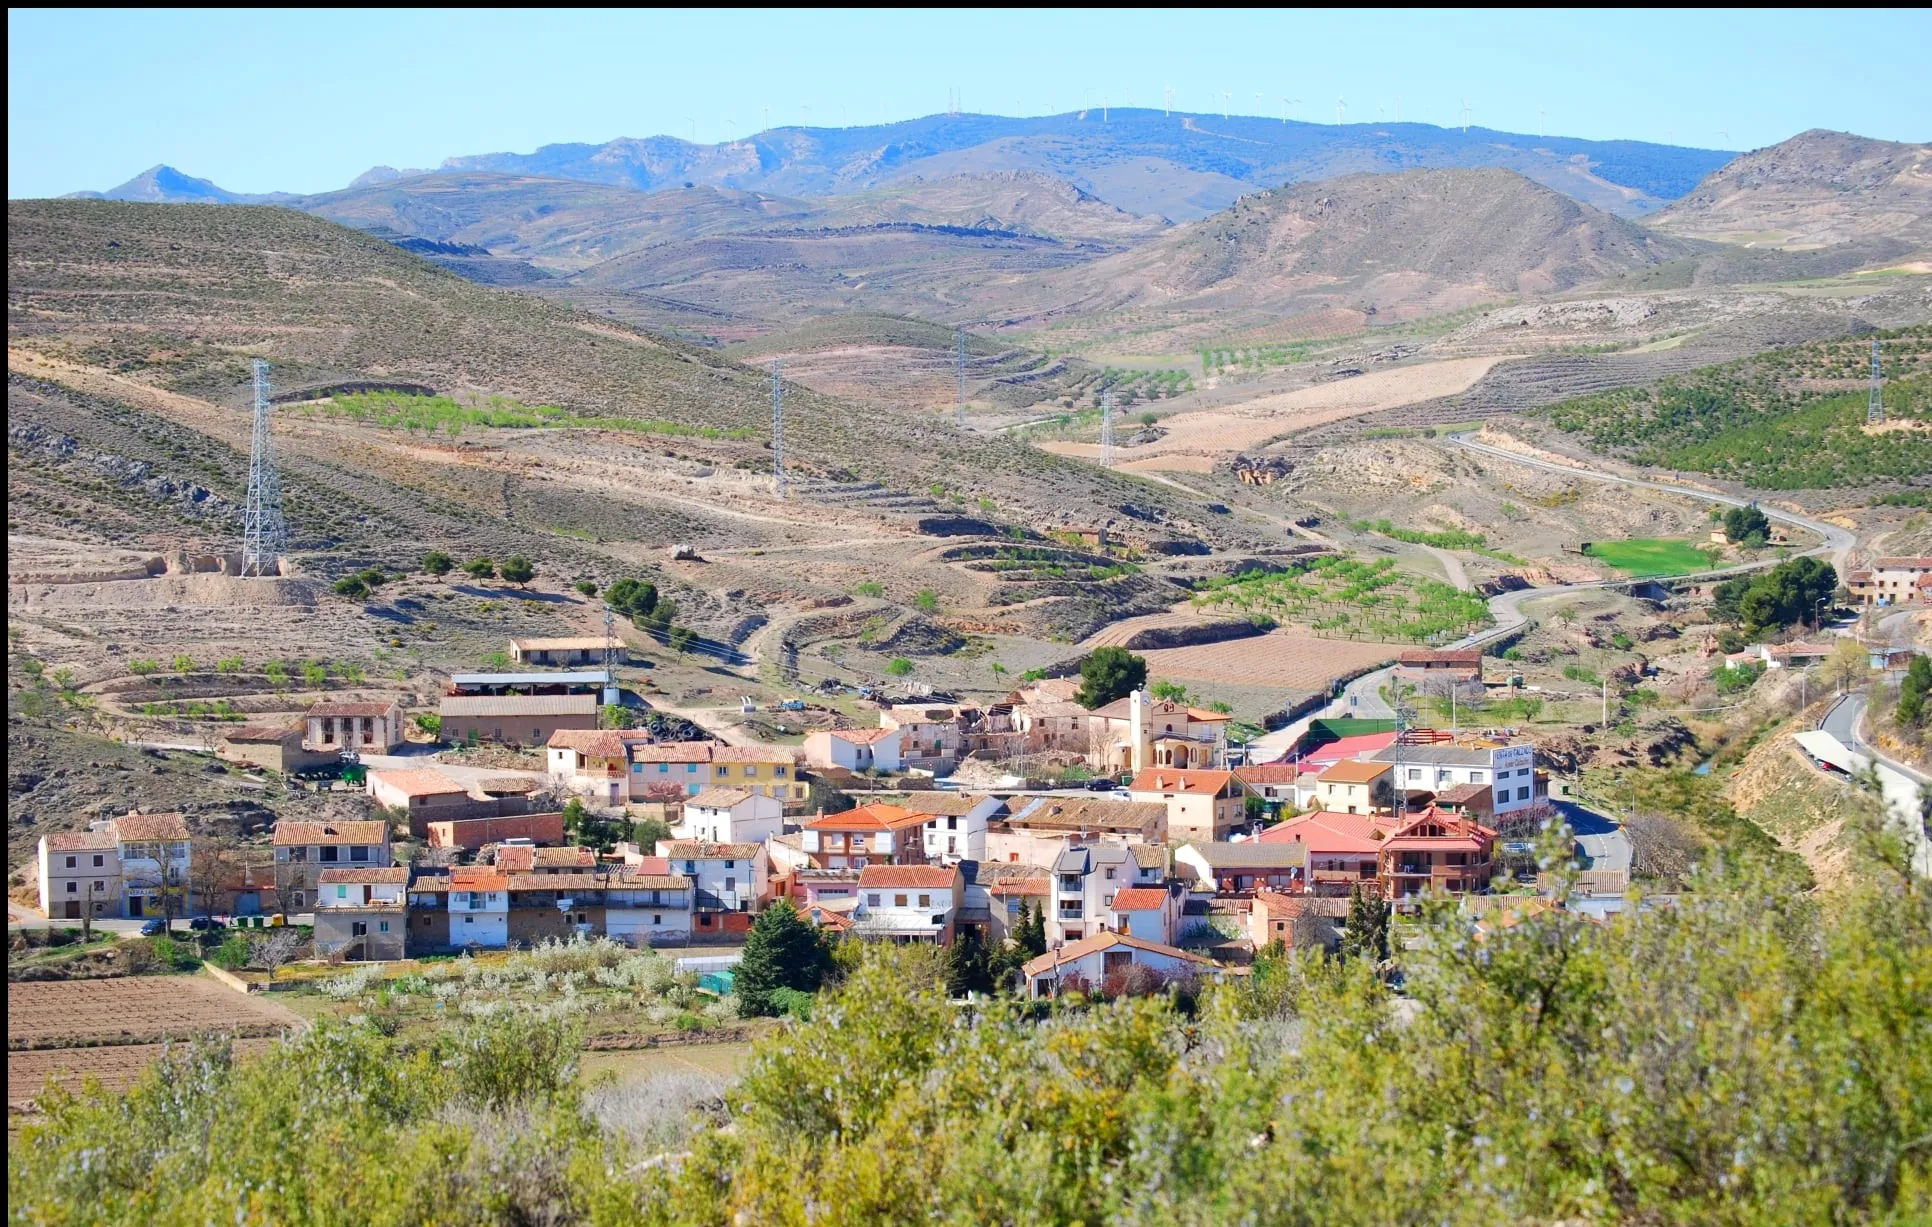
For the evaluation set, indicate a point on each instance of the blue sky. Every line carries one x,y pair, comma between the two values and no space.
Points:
261,101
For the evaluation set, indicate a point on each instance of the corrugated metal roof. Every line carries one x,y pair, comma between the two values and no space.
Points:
519,705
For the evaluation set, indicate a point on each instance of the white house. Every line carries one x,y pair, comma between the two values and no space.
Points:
647,905
362,913
959,833
1085,878
1508,768
80,875
728,881
909,902
731,815
1090,962
1151,913
155,856
479,908
854,749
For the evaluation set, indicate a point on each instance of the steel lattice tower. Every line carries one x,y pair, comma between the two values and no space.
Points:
264,532
959,372
1106,430
1875,406
778,426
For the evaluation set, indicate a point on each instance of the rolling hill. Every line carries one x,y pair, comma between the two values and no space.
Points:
1816,189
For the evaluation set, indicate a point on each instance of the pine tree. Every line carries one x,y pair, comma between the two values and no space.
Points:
782,951
1030,933
1367,932
968,969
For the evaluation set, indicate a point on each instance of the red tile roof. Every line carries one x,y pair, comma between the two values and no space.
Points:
1105,941
719,798
80,841
862,737
875,817
393,875
1139,899
898,877
1268,773
299,834
695,850
650,866
1350,771
478,879
143,828
1330,833
604,743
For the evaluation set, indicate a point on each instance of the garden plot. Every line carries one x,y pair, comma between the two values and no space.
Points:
115,1068
1291,659
46,1014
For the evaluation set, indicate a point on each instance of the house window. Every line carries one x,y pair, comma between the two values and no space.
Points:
358,929
469,920
690,768
72,861
690,866
898,901
872,900
731,864
657,918
99,860
298,898
98,888
1522,794
925,901
359,854
1415,773
73,888
382,926
692,790
778,773
329,855
342,892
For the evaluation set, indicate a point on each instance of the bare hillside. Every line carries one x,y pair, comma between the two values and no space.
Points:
1816,189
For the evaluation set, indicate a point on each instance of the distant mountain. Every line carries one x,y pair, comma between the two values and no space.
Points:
1181,166
166,185
1346,250
1816,189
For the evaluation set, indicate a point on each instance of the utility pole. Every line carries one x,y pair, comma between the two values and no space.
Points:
1875,404
778,427
264,531
1606,702
1106,430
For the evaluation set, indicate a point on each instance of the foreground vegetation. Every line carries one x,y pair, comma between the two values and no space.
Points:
1744,1057
1791,419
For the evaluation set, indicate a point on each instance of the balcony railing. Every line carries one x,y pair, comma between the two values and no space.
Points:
723,900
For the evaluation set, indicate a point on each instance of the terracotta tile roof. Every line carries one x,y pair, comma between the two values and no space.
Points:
79,841
1105,941
650,865
697,850
254,734
1350,771
940,804
674,752
1139,899
1007,888
1290,907
630,878
431,884
898,877
754,754
571,857
862,737
301,834
1268,773
825,918
145,828
1329,833
352,709
719,798
1249,854
604,743
391,875
1904,564
1177,780
515,858
477,878
1085,813
875,817
558,881
1462,794
417,782
1149,856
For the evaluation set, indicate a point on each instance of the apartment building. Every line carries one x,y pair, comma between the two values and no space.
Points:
79,874
1507,768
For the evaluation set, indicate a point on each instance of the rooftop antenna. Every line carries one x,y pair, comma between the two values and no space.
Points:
264,532
1340,107
1167,102
1875,406
959,373
1106,430
778,426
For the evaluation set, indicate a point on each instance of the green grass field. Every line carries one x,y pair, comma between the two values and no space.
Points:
1650,557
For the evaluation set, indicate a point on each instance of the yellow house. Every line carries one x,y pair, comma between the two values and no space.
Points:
1353,787
678,769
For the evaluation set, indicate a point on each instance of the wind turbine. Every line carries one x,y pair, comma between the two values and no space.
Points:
1226,97
1465,114
1167,102
1285,104
804,115
1105,103
1340,108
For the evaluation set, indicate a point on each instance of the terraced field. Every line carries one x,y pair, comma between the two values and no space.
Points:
1291,658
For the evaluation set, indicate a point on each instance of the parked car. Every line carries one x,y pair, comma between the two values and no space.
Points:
1105,783
206,924
154,927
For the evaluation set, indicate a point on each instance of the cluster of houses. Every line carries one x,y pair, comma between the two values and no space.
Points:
1187,870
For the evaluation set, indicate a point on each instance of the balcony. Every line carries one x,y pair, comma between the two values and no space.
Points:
723,901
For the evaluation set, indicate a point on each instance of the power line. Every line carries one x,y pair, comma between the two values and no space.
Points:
264,530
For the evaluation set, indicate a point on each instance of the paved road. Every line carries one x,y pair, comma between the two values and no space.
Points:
1846,718
1899,629
1601,839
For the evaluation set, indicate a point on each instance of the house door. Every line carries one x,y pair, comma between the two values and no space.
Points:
134,903
73,909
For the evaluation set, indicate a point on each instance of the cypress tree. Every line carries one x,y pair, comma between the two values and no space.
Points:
782,951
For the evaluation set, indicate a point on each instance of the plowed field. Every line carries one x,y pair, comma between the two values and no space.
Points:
132,1010
1290,659
115,1067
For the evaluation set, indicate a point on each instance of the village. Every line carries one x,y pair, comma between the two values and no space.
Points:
1166,851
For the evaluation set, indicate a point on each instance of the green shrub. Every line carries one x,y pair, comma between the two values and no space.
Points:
898,666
